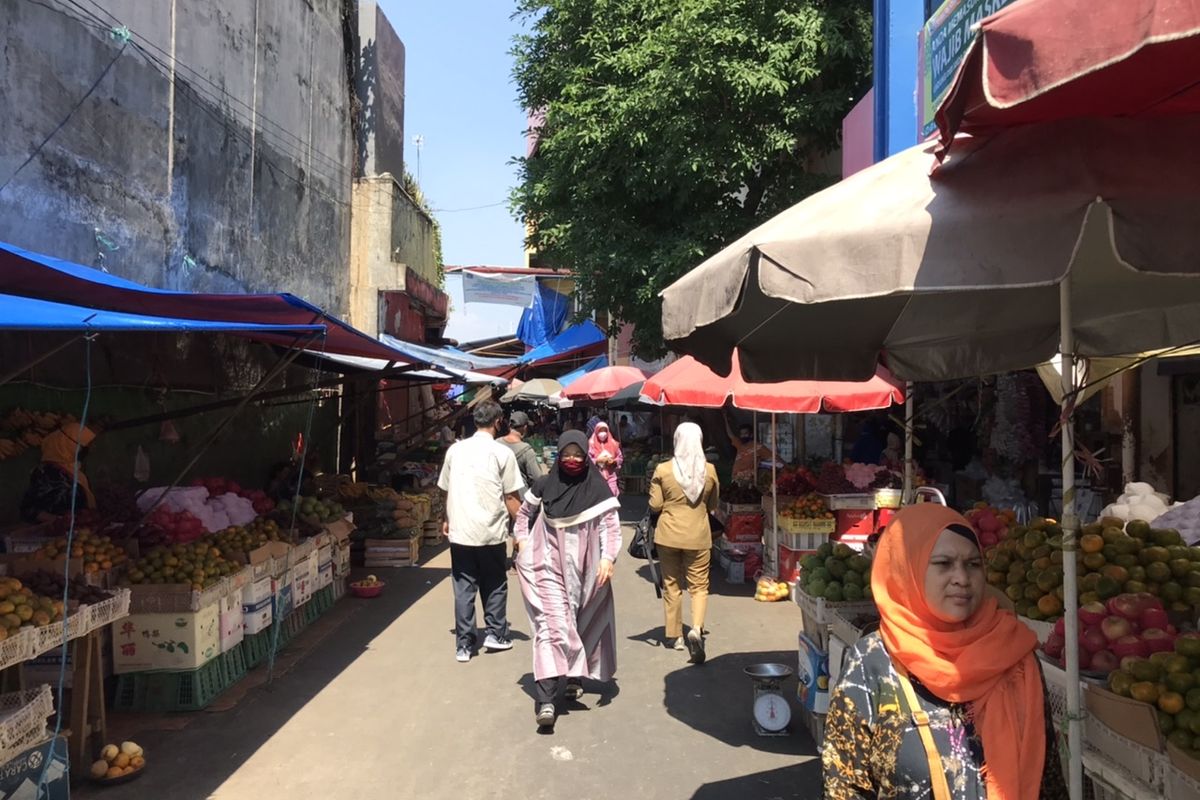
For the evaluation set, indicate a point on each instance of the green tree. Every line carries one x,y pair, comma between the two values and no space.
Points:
672,127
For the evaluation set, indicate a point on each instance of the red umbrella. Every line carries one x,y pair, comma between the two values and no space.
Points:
687,382
1042,60
601,384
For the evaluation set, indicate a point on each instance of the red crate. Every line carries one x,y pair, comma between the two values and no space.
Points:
854,525
789,563
883,516
744,527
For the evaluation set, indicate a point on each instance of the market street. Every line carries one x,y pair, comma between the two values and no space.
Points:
380,709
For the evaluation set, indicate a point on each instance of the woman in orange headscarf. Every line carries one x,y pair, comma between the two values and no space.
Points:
52,483
946,700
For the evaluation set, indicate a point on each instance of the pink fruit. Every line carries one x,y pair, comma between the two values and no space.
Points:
1115,627
1092,613
1085,660
1060,626
1054,645
1105,661
1154,618
1158,641
1093,640
1130,646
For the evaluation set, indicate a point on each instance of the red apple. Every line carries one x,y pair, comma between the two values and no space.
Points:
1093,640
1054,645
1060,626
1115,627
1092,613
1130,646
1158,641
1154,618
1125,605
1085,660
1104,661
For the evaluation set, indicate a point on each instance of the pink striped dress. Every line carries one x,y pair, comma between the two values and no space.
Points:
573,622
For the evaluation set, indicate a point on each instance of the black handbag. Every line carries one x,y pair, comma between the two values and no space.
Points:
642,543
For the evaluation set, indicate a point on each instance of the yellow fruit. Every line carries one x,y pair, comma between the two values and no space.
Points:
131,749
137,762
113,772
99,768
122,761
109,752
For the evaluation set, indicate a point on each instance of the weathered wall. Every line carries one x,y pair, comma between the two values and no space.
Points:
1156,440
390,235
379,85
236,176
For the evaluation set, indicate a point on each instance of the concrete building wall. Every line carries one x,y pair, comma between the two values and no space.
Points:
379,86
214,152
391,235
1156,437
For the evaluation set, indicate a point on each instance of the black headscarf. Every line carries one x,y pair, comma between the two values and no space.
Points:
568,496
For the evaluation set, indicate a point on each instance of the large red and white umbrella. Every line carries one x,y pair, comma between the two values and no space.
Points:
601,384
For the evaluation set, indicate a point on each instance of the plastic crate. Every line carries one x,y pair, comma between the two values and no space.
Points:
108,611
188,690
51,637
235,663
22,715
1123,756
18,647
323,600
256,648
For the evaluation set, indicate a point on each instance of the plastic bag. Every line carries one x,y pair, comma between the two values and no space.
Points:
141,466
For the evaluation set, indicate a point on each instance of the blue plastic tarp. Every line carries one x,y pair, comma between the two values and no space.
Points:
591,366
26,313
570,342
577,337
544,318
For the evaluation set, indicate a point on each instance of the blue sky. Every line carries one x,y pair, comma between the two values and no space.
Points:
460,97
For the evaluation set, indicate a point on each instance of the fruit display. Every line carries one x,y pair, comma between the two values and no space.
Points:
164,527
741,494
50,584
1141,502
218,487
243,539
21,607
795,482
832,480
99,553
1027,565
23,430
314,511
811,506
1169,680
769,590
1128,625
990,524
200,564
117,762
837,573
368,587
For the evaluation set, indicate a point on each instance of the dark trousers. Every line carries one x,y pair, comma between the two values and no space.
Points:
546,690
479,570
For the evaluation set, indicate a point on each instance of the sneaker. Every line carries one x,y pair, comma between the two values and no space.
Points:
463,655
574,690
497,643
695,646
679,645
546,715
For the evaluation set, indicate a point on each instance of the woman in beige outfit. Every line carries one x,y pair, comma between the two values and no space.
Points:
683,491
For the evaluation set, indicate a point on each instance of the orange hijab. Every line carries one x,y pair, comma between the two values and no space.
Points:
987,661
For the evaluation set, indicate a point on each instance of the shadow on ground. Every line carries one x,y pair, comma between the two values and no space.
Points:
797,781
717,698
257,712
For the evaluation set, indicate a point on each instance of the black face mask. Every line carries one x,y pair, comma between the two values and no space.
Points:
746,438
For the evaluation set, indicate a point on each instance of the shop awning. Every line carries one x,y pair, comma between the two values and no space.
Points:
578,340
437,373
450,357
32,275
596,363
575,340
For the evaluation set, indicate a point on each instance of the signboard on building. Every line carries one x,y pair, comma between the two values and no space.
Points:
942,44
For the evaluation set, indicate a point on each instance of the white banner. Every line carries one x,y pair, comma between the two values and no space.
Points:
506,290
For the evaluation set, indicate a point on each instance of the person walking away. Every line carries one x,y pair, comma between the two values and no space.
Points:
683,492
945,649
605,453
568,535
60,479
527,462
483,484
748,457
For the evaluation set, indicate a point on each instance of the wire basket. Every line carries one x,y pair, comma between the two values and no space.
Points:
23,714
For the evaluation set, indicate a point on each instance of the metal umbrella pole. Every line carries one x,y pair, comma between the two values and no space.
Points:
1070,526
907,495
773,540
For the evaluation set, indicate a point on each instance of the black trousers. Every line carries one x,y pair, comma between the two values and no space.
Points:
479,570
546,690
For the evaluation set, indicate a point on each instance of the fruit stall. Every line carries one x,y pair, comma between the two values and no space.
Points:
1138,645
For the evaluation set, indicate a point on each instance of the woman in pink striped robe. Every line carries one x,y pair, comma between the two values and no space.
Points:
568,534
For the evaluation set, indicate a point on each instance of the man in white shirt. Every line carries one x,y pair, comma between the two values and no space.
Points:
483,489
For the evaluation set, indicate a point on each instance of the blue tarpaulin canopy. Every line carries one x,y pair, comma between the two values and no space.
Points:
544,318
574,341
591,366
578,337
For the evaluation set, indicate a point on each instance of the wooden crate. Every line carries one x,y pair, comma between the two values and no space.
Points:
404,552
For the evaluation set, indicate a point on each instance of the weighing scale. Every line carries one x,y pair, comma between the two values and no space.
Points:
772,713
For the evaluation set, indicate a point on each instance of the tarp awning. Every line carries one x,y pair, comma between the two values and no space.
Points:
596,363
574,339
32,275
438,373
573,342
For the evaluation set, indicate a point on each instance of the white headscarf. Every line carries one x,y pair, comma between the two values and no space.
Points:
689,464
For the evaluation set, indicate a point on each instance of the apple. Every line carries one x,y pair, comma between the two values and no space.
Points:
1054,646
1105,661
1085,660
1115,627
1093,640
1092,613
1130,646
1158,641
1154,618
1060,626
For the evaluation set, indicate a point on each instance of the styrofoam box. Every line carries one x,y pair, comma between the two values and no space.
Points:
304,579
257,618
325,576
324,555
284,595
232,627
180,641
257,591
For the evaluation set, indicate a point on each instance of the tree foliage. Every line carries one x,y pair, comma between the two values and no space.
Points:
673,126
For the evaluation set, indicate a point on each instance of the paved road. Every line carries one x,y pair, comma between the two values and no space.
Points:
373,705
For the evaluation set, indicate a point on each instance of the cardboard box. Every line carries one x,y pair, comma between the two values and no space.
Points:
21,777
283,596
325,576
340,531
166,641
813,676
257,618
231,619
257,591
304,579
1125,716
170,598
324,556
